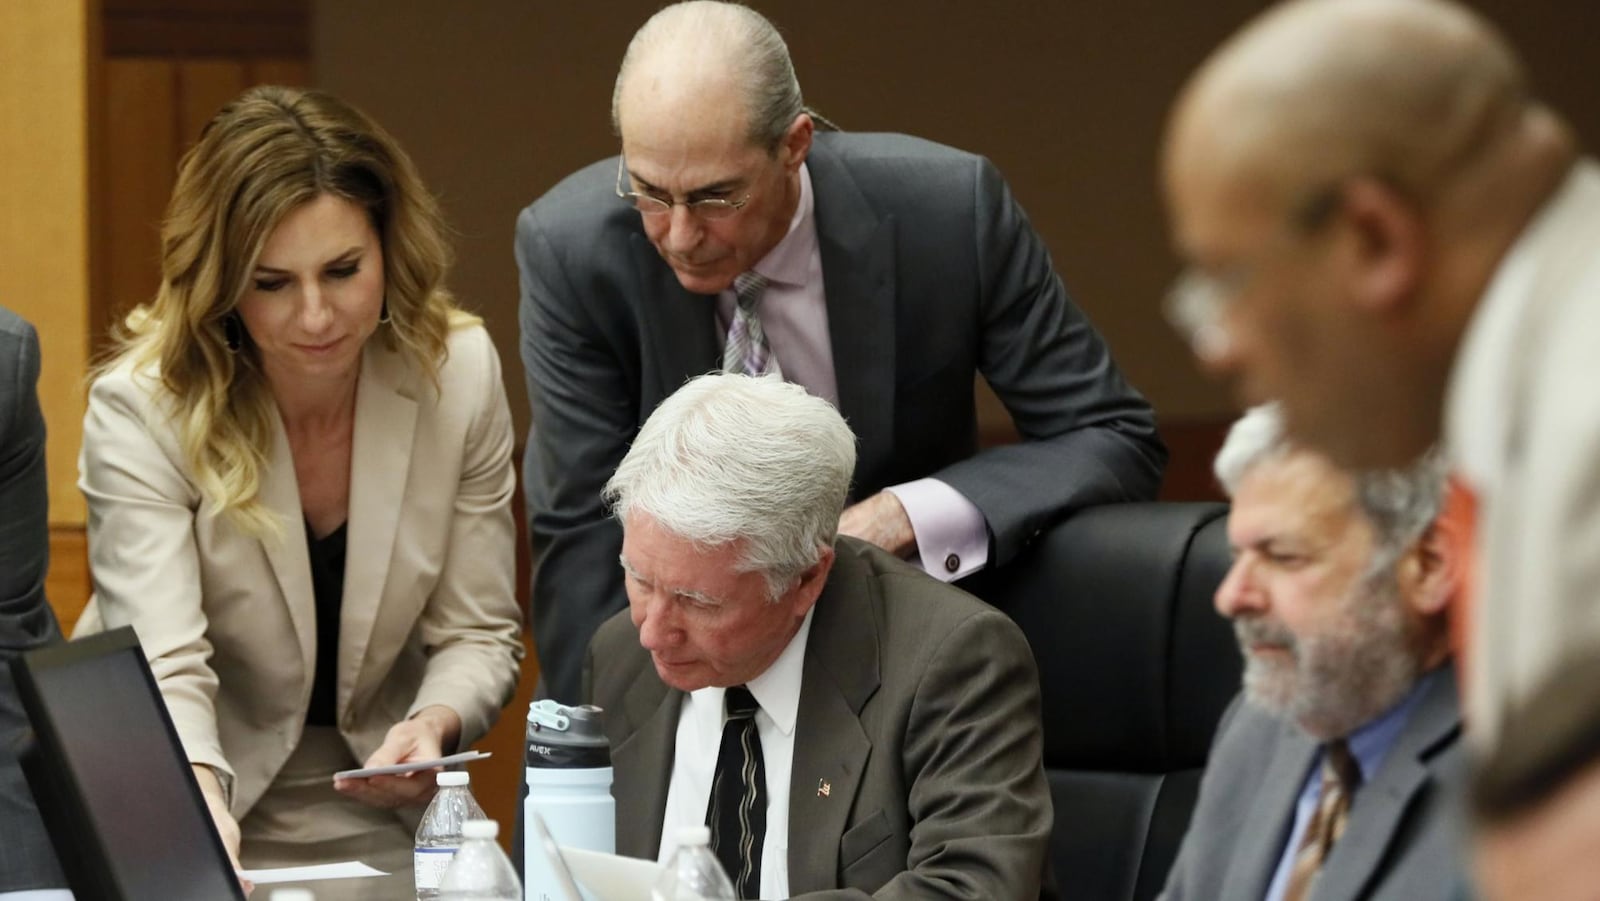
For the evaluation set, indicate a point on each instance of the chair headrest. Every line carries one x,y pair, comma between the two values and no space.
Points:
1135,665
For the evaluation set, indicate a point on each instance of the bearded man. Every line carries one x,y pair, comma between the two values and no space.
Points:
1334,773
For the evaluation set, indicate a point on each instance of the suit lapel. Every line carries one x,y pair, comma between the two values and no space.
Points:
842,670
858,274
642,763
380,459
1381,804
287,552
1256,856
678,330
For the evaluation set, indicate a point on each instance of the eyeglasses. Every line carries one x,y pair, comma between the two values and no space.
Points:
1196,305
705,207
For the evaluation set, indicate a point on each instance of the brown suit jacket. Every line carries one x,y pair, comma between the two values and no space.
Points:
228,620
919,707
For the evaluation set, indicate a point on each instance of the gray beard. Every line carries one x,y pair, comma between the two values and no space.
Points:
1338,681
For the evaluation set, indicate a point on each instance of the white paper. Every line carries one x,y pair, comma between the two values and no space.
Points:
412,766
350,869
612,877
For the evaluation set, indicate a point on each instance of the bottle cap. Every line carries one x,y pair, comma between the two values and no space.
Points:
482,829
452,778
694,835
582,724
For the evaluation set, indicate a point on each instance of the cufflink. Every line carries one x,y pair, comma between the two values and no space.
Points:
952,563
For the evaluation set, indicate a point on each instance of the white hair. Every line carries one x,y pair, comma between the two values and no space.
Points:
747,42
740,458
1399,503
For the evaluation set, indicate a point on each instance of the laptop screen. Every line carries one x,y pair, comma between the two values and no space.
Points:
112,782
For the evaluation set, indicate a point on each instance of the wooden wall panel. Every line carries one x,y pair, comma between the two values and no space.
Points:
203,87
44,212
67,584
200,28
140,158
292,72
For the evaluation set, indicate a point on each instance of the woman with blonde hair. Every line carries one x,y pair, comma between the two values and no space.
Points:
299,478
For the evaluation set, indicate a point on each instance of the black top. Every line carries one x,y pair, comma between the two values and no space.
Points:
327,583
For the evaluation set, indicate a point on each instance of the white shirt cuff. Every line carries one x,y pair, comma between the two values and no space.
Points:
952,535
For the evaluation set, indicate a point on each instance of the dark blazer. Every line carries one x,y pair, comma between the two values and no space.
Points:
933,275
26,620
1400,843
919,705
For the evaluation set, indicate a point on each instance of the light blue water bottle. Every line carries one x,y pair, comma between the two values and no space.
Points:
568,770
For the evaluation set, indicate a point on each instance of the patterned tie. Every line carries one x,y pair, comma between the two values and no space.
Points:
1341,776
737,813
747,350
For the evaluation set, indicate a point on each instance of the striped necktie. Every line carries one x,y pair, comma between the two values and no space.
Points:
1341,776
747,350
737,813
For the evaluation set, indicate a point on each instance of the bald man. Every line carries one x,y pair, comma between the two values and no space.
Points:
1387,234
895,271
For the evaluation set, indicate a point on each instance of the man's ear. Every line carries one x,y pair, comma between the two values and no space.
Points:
1391,244
1433,573
796,142
809,586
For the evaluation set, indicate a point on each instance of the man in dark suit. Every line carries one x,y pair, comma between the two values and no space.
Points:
846,724
893,272
26,621
1338,771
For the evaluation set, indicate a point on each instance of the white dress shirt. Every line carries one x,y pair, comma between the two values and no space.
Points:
700,722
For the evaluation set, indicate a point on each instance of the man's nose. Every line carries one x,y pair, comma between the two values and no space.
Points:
654,619
684,229
1239,594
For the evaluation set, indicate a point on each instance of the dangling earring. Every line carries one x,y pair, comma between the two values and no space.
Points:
232,332
383,314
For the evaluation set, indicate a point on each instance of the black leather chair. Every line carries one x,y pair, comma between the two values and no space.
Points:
1135,667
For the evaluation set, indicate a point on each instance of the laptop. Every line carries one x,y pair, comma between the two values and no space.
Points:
110,779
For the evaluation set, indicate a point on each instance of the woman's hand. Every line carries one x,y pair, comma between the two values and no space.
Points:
227,827
423,737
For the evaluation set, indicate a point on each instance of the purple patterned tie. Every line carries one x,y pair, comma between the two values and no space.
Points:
747,350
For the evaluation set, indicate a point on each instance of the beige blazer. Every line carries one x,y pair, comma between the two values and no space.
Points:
228,620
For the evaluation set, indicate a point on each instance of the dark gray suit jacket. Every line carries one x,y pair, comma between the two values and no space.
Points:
919,705
932,274
26,621
1399,844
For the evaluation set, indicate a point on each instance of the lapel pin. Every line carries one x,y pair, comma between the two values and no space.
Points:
823,788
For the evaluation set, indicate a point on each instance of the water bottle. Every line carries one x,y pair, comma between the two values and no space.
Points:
439,833
480,870
569,785
692,872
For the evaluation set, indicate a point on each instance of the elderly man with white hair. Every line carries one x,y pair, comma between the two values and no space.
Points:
1335,773
844,723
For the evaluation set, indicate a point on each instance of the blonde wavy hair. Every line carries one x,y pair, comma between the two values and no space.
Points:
264,154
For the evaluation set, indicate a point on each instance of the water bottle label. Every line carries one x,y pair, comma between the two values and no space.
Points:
428,865
542,755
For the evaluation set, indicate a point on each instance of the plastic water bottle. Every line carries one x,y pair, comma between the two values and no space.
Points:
693,872
480,870
568,770
439,833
